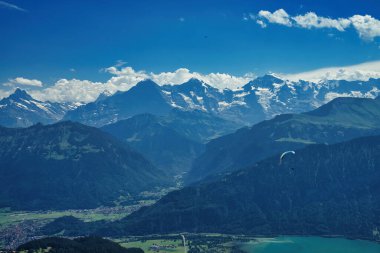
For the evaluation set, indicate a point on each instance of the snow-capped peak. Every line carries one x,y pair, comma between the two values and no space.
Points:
105,94
20,94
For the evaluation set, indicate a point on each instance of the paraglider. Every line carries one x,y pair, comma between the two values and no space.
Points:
286,153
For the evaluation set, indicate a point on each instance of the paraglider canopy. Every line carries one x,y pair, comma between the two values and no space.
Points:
286,153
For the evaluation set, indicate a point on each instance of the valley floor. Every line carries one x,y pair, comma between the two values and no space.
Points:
17,227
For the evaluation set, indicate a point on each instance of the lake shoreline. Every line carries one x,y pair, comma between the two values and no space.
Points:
315,244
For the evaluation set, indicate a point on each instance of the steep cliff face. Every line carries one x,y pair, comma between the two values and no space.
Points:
321,190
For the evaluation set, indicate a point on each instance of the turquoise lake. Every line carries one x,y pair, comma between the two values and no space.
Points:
310,245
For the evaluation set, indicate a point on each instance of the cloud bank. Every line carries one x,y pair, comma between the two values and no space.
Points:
124,78
362,72
366,26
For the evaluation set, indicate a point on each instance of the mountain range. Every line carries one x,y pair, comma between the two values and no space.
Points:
260,99
339,120
69,166
150,134
320,190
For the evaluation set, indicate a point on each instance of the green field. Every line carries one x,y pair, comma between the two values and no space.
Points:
8,217
202,243
145,245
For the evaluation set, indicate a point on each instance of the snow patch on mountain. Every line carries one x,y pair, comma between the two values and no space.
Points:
265,96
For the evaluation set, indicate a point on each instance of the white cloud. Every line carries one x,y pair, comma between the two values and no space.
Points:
70,91
128,77
85,91
126,71
23,81
311,20
278,17
261,23
217,80
179,76
366,26
124,78
11,6
362,72
4,93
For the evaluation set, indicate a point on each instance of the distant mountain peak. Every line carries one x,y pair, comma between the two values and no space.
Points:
196,81
19,93
265,81
268,78
21,110
148,83
105,94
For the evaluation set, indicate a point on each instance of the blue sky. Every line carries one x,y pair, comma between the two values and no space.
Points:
49,40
